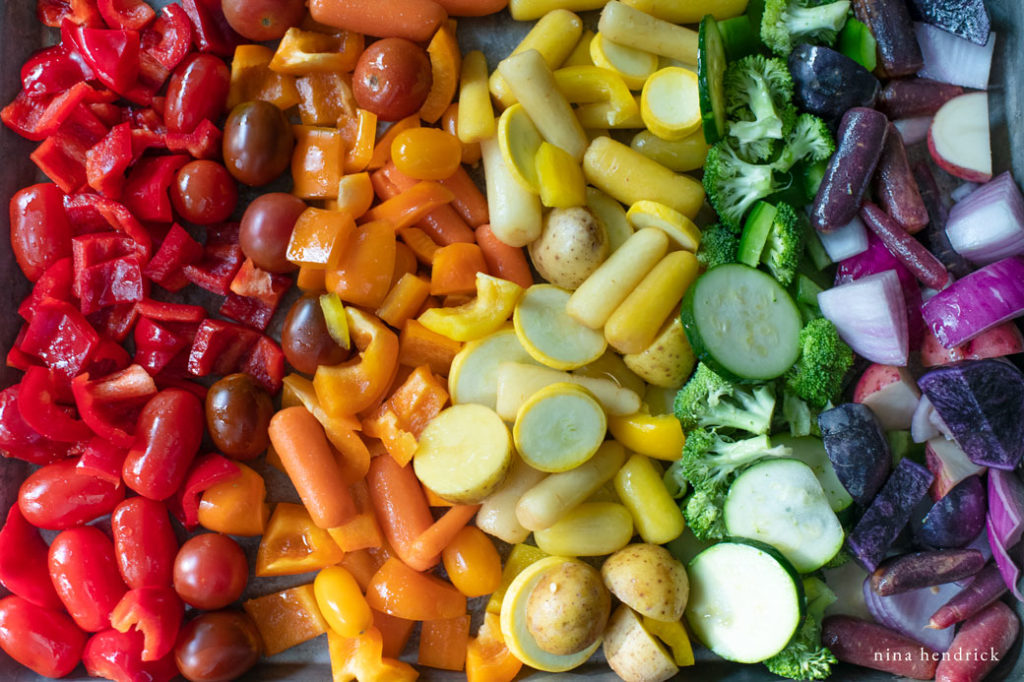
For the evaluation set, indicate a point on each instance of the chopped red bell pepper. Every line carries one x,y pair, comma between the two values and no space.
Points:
19,360
60,336
164,311
219,347
89,207
177,251
62,156
265,364
150,78
202,143
52,13
149,118
108,159
110,406
132,14
206,471
110,283
211,32
115,322
114,655
37,403
217,267
254,296
145,192
143,139
103,459
53,70
99,247
252,312
169,38
39,116
23,562
156,612
21,441
109,114
156,345
109,357
112,53
55,282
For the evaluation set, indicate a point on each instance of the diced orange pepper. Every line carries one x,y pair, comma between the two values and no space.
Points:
409,207
362,565
236,506
352,386
443,643
394,630
353,455
325,98
298,390
405,262
361,659
359,132
363,531
361,274
420,243
471,152
304,52
418,400
355,195
311,278
404,300
420,346
317,233
487,657
317,162
455,268
292,544
382,150
286,618
400,591
252,79
445,66
399,443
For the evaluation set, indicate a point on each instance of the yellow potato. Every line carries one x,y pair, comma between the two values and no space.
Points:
648,579
568,608
633,653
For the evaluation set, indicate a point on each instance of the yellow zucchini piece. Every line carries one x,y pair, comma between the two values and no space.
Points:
517,382
473,377
641,31
682,155
656,515
612,214
554,37
659,436
635,66
497,514
476,114
681,231
559,177
670,104
590,529
673,634
495,300
519,557
519,140
580,55
549,334
464,453
668,361
589,84
515,212
691,11
560,427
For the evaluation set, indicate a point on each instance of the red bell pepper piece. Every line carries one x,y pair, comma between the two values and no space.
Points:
109,114
99,247
110,283
62,156
169,38
217,267
155,345
115,322
143,139
40,231
23,568
56,282
219,347
21,441
150,78
211,32
53,70
89,209
145,192
112,54
177,251
102,459
144,542
60,336
38,406
207,470
202,143
164,311
108,159
252,312
156,612
254,296
265,364
111,405
52,13
132,14
149,118
109,357
117,656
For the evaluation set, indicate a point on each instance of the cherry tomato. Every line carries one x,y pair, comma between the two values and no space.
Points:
197,89
217,646
43,640
115,655
167,437
258,143
40,232
238,411
210,571
59,496
304,338
426,153
392,78
266,227
262,20
84,573
144,542
204,192
472,562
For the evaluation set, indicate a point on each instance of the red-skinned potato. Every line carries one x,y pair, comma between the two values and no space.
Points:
999,341
958,139
891,393
949,464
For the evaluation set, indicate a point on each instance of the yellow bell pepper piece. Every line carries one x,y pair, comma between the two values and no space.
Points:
236,506
353,386
658,436
336,319
252,79
559,177
476,113
495,300
554,37
656,515
674,635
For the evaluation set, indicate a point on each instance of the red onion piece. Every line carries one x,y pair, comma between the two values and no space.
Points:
951,59
871,316
1008,567
909,612
988,224
1006,506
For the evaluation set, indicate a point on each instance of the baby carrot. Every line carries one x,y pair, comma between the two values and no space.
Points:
472,8
399,502
416,20
301,444
507,262
426,549
469,201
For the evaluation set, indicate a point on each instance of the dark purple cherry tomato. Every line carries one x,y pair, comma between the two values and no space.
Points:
204,192
392,78
304,338
210,571
43,640
217,647
144,542
258,142
167,438
238,412
263,20
40,232
266,228
197,89
84,573
59,496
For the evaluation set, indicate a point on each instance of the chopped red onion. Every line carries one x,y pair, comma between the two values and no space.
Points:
961,192
979,301
849,240
988,224
1006,506
913,130
871,316
1008,568
909,612
921,426
951,59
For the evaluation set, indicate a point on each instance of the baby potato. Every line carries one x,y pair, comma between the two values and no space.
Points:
649,580
572,244
568,608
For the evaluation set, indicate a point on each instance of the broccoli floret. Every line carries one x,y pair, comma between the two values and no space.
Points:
703,514
804,658
810,142
788,22
734,185
785,245
708,400
817,376
718,245
709,460
798,416
759,103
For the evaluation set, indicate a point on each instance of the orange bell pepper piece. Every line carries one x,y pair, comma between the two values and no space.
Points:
363,531
292,544
409,207
420,243
455,269
317,162
304,52
361,659
236,506
382,150
355,195
443,643
361,273
402,417
354,385
286,618
311,278
362,565
421,346
403,301
487,657
324,98
399,443
317,233
252,79
359,132
445,66
394,630
400,591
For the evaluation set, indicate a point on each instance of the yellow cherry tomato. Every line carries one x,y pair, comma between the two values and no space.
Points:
426,153
342,602
472,563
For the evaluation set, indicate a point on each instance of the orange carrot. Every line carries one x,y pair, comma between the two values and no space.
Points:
362,274
382,185
400,591
443,643
504,261
404,300
410,206
399,503
472,8
417,346
423,247
426,550
415,20
302,446
442,224
445,65
382,150
395,632
455,268
469,201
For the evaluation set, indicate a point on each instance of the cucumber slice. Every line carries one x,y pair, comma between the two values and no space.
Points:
811,452
781,503
746,600
710,76
755,233
742,323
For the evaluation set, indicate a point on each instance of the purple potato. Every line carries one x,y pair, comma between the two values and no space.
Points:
857,448
827,83
957,518
966,18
